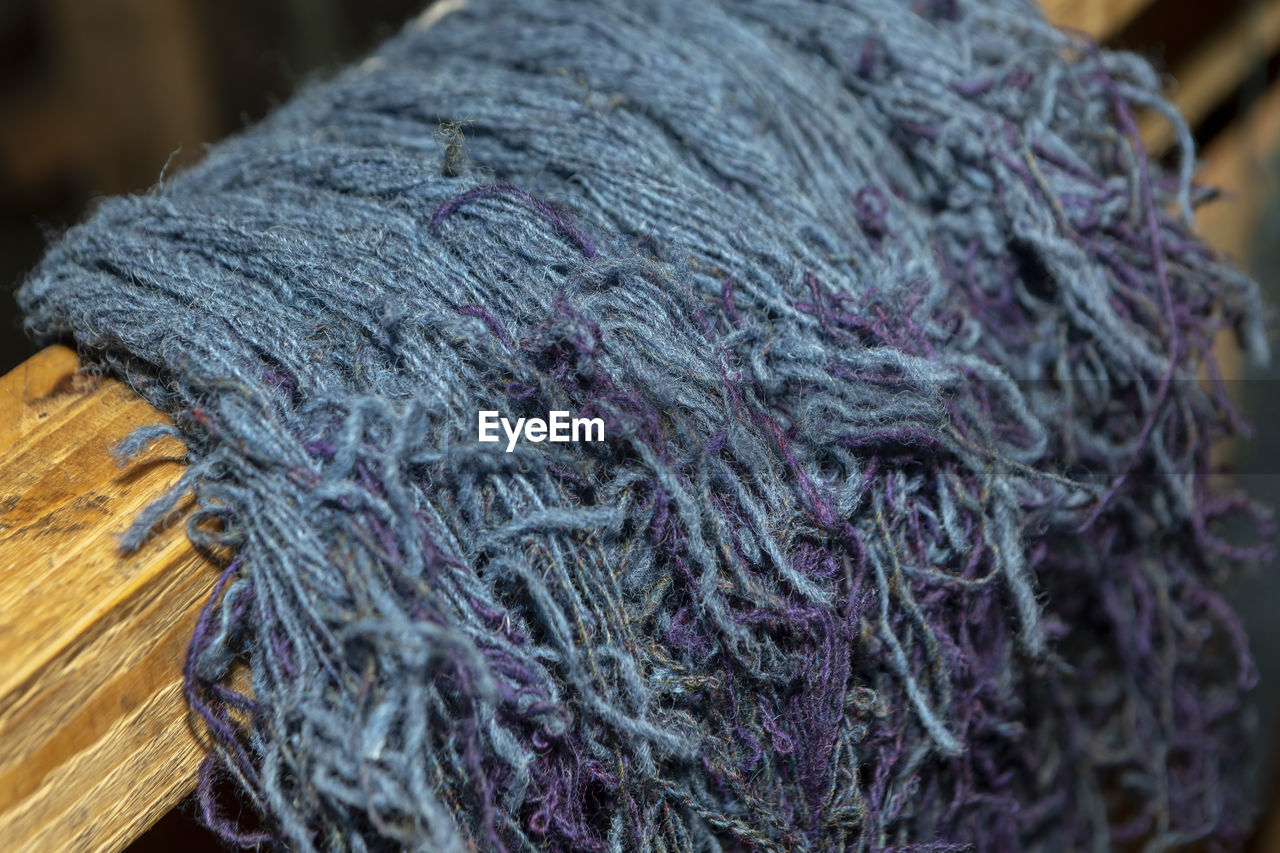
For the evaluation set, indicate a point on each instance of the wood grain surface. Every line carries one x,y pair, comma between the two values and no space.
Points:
94,739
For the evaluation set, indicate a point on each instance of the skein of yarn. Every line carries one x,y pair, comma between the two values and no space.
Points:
900,535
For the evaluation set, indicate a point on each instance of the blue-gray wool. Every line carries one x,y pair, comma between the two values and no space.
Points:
900,535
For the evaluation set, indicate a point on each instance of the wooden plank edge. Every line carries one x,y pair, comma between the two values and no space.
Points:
95,741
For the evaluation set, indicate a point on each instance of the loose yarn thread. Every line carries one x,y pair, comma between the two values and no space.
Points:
902,535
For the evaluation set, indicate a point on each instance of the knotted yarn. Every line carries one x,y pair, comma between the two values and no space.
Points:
901,535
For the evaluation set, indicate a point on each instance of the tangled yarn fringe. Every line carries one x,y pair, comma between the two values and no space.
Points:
902,534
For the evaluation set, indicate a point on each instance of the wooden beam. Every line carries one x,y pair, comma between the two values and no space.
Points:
1241,162
94,739
1099,18
1216,68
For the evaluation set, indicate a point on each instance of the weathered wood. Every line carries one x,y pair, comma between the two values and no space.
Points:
94,739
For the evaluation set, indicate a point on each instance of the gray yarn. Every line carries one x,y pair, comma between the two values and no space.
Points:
882,306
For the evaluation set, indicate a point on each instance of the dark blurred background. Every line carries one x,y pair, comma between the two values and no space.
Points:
97,97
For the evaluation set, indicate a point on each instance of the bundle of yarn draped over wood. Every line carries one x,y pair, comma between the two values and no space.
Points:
901,534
